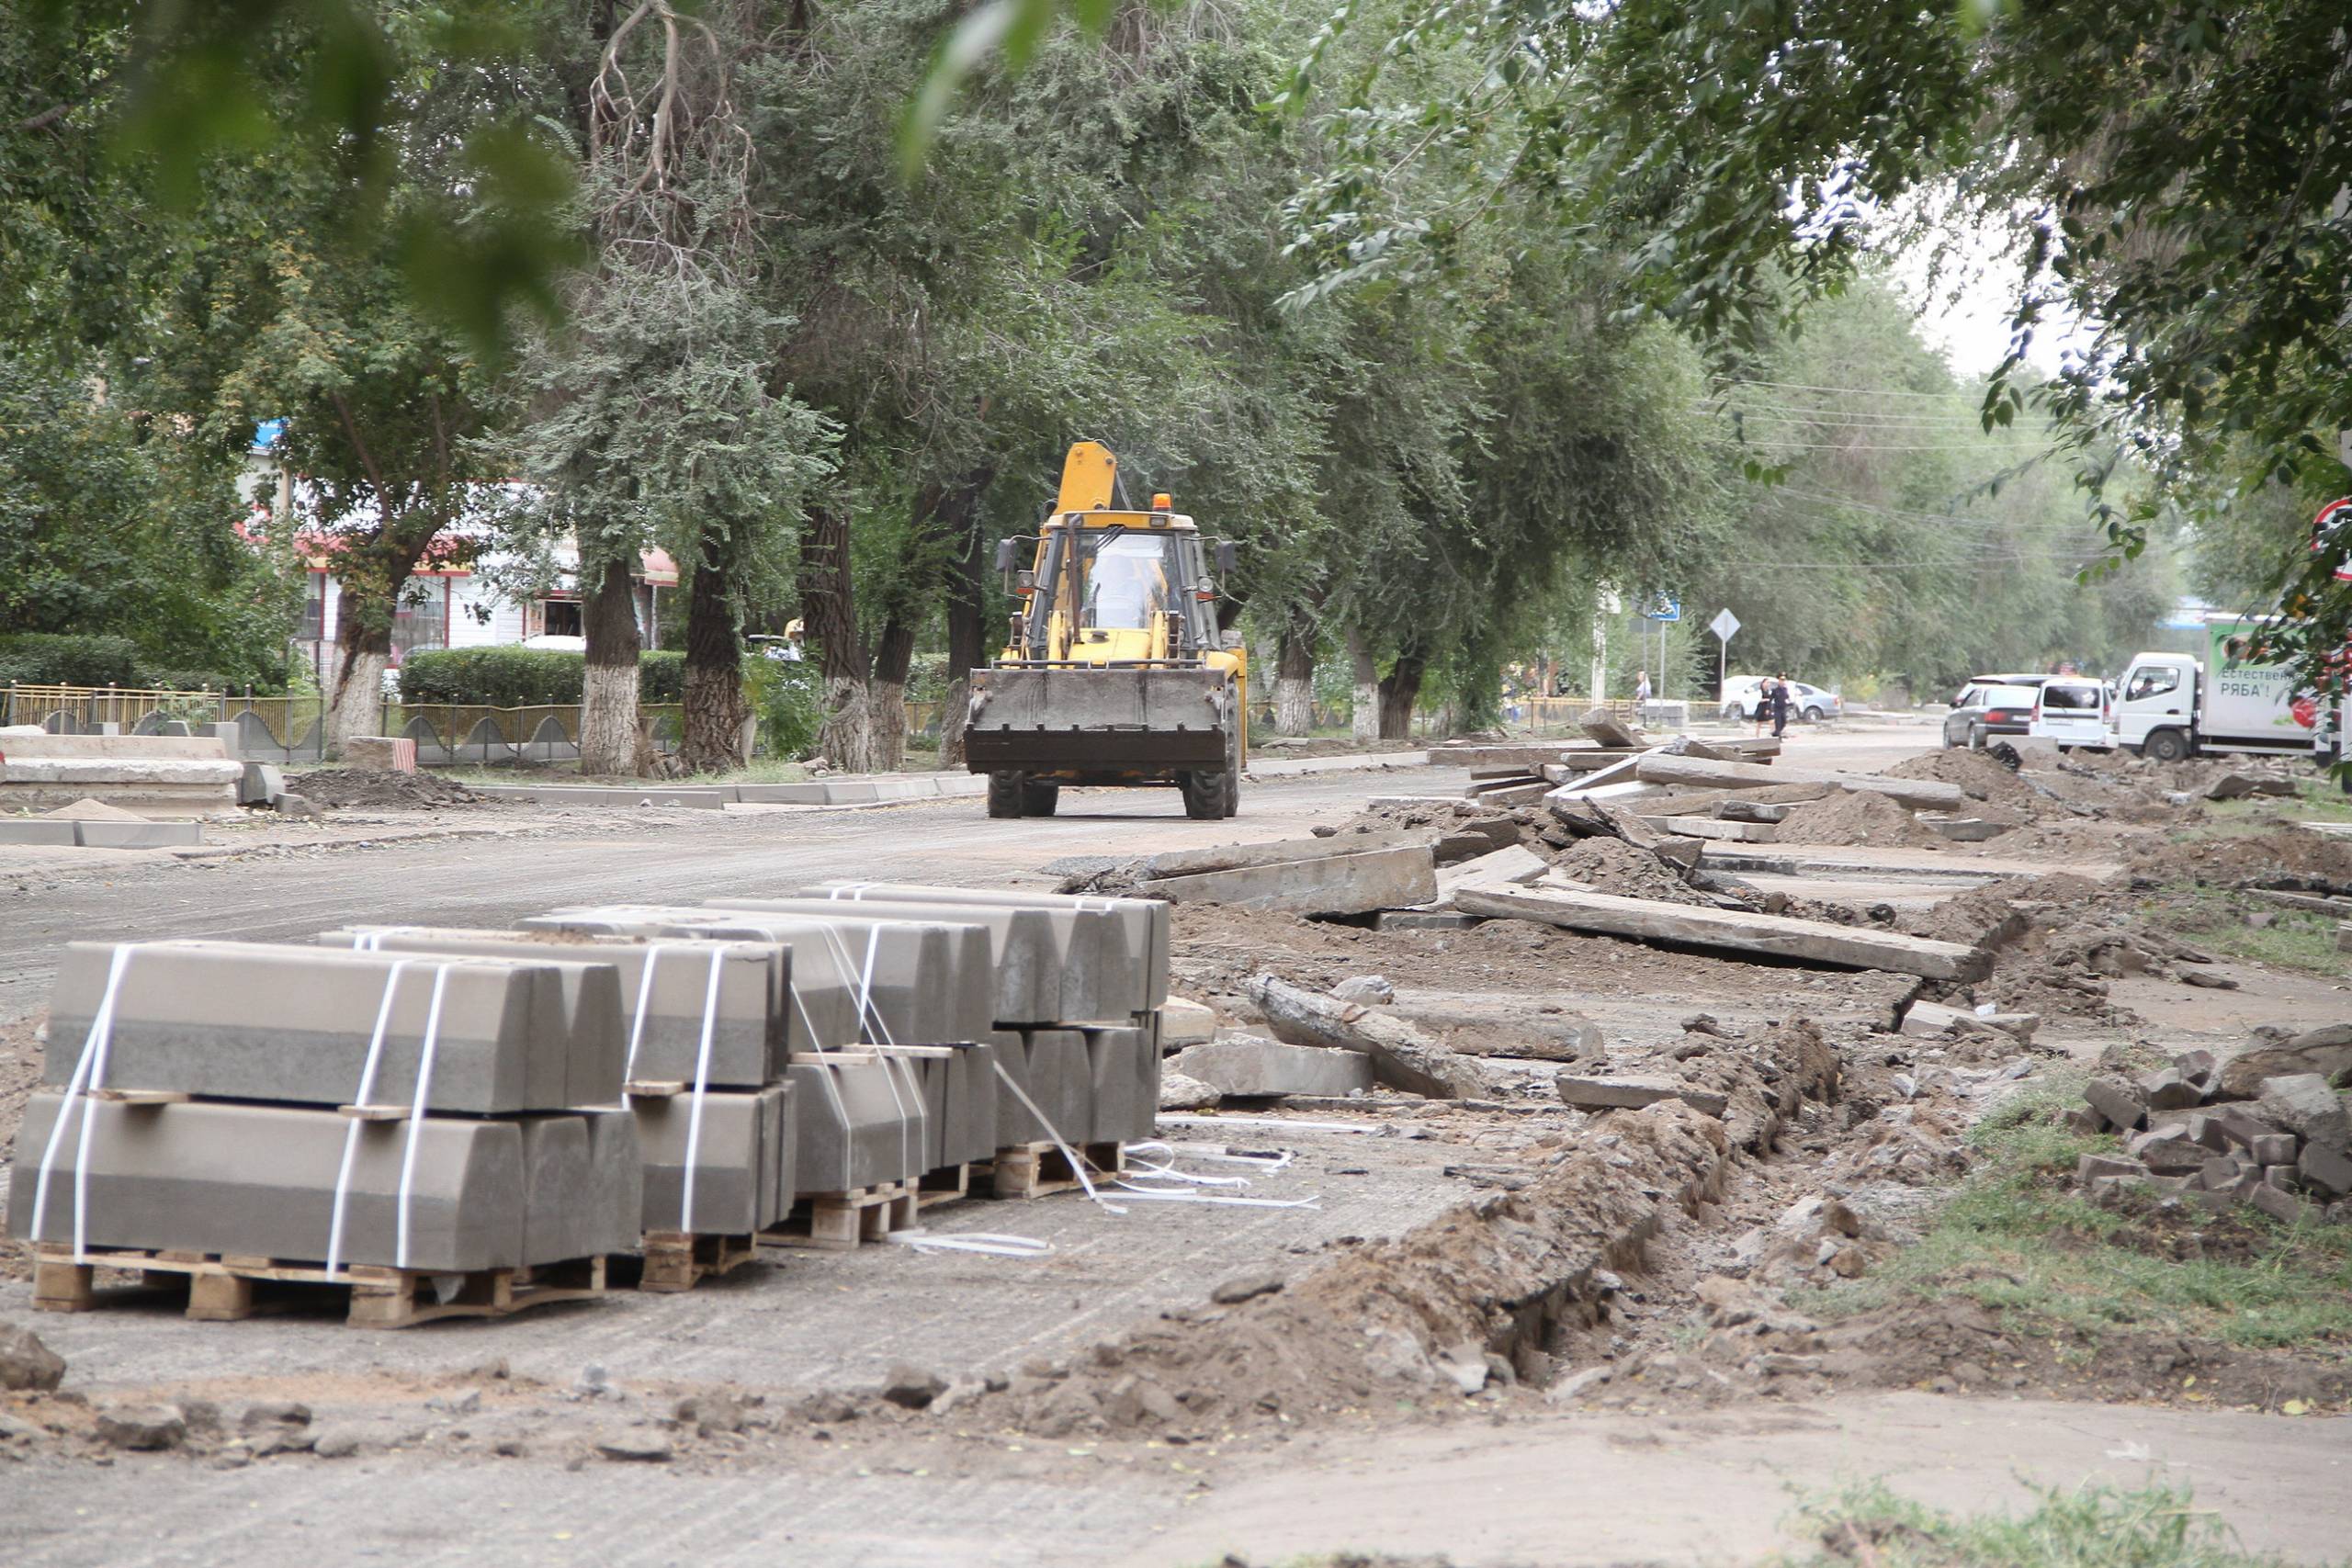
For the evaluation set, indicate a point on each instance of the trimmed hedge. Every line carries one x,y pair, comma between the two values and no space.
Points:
510,677
73,659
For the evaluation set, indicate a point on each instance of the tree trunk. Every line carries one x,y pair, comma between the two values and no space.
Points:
355,696
1399,691
968,639
1294,679
1363,726
714,738
886,695
828,611
608,683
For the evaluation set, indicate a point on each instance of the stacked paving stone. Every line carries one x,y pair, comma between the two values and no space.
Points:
707,1028
2266,1128
249,1102
1081,983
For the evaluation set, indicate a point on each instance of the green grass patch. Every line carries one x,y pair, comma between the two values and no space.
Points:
2215,918
2087,1526
2315,799
2015,1236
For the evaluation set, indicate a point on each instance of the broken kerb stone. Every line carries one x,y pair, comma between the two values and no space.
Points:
1246,1066
2121,1103
2304,1103
1183,1023
1588,1092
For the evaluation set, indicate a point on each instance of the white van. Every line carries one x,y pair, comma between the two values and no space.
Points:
2072,712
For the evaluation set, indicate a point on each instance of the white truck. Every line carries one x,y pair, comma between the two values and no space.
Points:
2172,706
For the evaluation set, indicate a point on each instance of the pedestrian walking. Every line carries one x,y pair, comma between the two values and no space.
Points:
1641,694
1780,705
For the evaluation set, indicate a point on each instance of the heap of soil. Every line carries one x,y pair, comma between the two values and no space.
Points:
380,787
1975,772
1858,817
2252,859
1615,866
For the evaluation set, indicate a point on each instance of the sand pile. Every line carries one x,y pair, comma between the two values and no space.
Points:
1860,818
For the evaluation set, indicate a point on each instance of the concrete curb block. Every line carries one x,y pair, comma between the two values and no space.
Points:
62,833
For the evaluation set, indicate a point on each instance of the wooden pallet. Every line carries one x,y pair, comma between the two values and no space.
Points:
944,1186
839,1222
226,1288
677,1260
1038,1170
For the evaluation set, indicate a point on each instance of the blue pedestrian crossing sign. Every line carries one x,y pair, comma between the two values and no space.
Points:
1665,607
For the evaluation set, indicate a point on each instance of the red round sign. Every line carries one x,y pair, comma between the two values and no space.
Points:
2332,519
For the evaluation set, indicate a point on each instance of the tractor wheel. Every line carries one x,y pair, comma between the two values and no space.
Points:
1204,793
1039,799
1004,793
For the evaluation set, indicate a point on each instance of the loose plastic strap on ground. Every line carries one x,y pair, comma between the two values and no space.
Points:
88,1068
351,1131
417,1112
1275,1161
990,1244
1077,1162
1232,1120
1165,1170
702,1083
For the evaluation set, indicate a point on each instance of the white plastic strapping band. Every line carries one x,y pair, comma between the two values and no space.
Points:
417,1112
351,1132
88,1069
989,1243
1077,1162
702,1082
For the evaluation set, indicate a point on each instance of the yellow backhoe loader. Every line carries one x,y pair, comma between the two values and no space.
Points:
1117,672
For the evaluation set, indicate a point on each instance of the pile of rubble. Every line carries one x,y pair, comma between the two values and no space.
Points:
2268,1127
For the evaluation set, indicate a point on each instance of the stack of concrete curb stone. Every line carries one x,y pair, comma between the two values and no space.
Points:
243,1111
2267,1127
707,1028
683,1081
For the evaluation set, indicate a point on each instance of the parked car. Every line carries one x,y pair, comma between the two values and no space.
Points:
1807,705
1987,708
2071,711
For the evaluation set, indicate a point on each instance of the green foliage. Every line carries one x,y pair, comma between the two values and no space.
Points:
788,695
510,677
61,659
2090,1526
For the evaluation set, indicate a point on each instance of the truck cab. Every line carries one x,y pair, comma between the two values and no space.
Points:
2171,706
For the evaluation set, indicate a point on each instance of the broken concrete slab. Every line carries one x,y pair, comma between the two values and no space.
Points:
1607,728
1535,1027
1243,1065
2304,1103
1330,884
1402,1055
2124,1104
1919,794
1613,1092
1513,864
1728,831
1776,935
1185,1023
2326,1051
